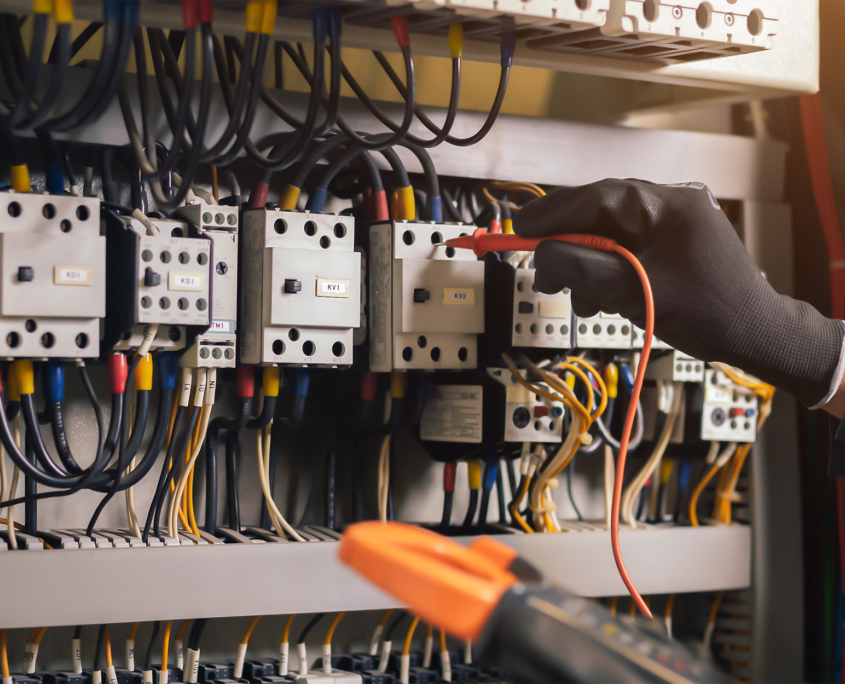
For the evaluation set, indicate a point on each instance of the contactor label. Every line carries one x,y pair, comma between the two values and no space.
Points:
453,414
73,275
185,282
459,296
332,288
222,327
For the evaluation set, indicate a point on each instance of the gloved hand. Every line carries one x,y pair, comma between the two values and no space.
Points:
711,301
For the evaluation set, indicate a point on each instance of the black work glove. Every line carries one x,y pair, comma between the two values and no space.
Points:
711,301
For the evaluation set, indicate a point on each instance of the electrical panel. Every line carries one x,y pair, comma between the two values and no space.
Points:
300,288
603,331
52,276
426,302
730,412
528,417
638,337
217,348
162,280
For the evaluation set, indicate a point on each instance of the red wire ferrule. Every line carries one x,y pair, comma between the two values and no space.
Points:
189,14
380,210
206,12
400,30
494,227
117,373
246,381
258,196
369,385
449,471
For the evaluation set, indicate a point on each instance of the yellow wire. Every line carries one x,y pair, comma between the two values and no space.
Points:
670,604
182,517
539,391
286,632
332,627
529,188
517,502
693,501
599,381
18,526
385,617
4,656
561,387
134,630
182,628
410,636
107,642
714,611
429,632
214,183
32,635
189,489
249,629
164,645
614,602
40,636
442,641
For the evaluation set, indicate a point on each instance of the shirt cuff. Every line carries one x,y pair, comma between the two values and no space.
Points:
836,380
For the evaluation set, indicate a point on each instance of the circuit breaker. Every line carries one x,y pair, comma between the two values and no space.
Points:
426,303
603,331
162,280
730,412
522,316
216,348
528,416
53,268
300,288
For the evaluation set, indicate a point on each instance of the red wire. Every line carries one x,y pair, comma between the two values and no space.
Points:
629,424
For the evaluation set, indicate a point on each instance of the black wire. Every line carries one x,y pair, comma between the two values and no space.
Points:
311,624
171,449
196,634
77,632
122,463
176,466
482,511
39,38
446,518
500,495
391,628
98,649
148,659
331,468
471,509
569,489
82,39
314,484
233,504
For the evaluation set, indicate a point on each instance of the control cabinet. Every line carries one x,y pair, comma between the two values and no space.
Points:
426,303
300,288
216,348
52,276
162,280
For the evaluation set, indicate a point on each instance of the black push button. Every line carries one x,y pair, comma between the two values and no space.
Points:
292,286
526,307
421,296
25,274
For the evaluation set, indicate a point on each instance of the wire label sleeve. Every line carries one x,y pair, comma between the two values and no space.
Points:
284,651
130,654
111,673
148,677
327,659
453,413
303,659
445,666
76,655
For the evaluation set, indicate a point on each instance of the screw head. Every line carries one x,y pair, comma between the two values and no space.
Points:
677,12
729,19
222,267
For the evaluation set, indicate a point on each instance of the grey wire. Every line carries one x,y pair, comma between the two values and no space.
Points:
637,438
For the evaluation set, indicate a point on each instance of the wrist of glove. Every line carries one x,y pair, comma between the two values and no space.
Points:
711,301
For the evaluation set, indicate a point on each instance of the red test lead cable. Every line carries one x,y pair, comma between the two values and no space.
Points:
482,242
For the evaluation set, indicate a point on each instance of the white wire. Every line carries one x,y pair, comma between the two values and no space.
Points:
637,437
383,478
13,488
609,477
275,514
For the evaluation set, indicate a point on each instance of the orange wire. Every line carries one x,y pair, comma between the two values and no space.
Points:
107,642
4,656
134,630
182,629
286,633
249,629
39,636
629,424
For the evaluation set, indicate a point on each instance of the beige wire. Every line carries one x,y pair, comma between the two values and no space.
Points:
275,514
13,488
383,478
637,484
609,477
134,528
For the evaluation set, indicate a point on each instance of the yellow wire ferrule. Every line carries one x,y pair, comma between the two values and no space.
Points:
507,226
397,385
611,380
407,203
396,206
271,381
268,17
254,15
144,373
570,380
289,198
42,6
456,41
63,11
25,376
665,471
20,178
474,468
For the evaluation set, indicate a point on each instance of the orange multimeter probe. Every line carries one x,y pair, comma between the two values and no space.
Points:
481,242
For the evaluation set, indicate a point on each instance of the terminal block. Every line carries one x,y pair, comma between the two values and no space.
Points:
522,317
216,348
162,280
426,303
577,14
53,268
638,337
672,32
300,288
603,331
730,412
675,367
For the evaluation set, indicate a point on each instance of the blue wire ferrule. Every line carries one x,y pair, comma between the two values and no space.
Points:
112,9
434,208
422,390
335,24
491,470
316,200
318,24
508,46
54,178
300,388
684,475
627,377
167,369
53,379
130,12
